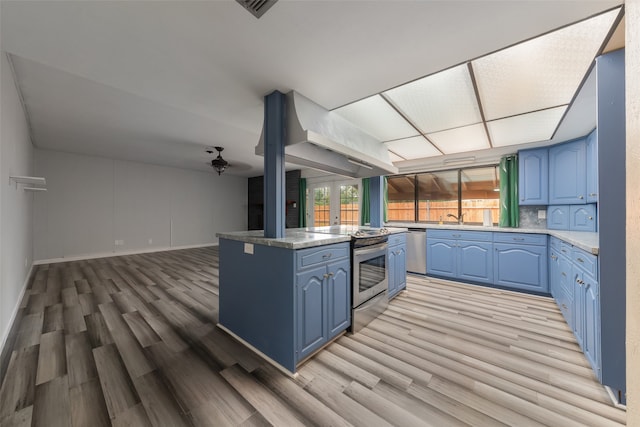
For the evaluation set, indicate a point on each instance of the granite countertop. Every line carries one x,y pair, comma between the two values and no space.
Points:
295,238
582,239
300,238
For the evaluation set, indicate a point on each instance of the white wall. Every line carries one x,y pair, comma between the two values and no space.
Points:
16,158
93,201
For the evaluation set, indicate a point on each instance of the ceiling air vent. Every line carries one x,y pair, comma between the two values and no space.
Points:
257,7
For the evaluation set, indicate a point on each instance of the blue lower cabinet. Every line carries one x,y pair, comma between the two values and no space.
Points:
554,273
323,296
475,261
582,217
558,217
397,257
441,257
312,325
591,314
339,297
520,266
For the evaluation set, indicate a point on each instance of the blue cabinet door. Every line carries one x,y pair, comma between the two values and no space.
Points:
591,329
400,274
582,217
475,261
338,288
554,275
568,173
592,167
533,176
558,217
578,305
312,323
392,286
441,257
521,266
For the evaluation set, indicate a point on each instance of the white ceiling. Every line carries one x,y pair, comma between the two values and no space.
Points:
160,81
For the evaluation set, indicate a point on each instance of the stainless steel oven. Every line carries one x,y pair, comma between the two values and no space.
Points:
370,274
370,280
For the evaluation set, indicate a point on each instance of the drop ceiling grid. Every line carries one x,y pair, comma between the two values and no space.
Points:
523,91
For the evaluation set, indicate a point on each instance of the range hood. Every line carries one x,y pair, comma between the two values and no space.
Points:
320,139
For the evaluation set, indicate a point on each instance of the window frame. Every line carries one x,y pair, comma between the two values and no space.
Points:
416,191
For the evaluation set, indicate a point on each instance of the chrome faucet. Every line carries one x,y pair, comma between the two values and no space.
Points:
460,220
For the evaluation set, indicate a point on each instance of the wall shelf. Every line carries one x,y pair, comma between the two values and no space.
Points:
30,181
36,180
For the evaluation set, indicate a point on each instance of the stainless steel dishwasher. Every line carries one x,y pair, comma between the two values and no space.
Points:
417,250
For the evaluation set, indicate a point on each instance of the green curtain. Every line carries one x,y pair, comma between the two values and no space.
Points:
365,212
302,210
386,200
509,209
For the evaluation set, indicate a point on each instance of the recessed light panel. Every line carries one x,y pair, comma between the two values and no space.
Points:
440,101
413,148
375,116
460,140
531,127
541,73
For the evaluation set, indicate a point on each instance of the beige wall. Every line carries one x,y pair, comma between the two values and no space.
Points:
632,60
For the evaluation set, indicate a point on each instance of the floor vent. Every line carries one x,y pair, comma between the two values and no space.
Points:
257,7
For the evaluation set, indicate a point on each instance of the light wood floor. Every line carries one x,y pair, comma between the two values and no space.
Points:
131,341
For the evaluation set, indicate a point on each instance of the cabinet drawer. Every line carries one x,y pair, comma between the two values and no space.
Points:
478,236
521,238
565,249
586,261
397,239
554,243
312,256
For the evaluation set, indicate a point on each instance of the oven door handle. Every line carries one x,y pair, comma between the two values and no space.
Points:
371,249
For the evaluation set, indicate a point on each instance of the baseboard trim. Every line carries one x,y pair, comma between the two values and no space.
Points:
16,308
258,352
112,254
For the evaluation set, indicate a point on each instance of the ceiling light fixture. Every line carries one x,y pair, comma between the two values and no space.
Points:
218,164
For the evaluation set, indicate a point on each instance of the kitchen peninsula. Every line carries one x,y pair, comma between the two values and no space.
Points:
288,297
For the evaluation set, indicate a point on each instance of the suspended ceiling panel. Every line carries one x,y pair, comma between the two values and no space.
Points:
441,101
413,148
531,127
460,140
375,116
541,73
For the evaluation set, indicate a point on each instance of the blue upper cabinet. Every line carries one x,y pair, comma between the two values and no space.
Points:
592,167
582,217
568,173
558,217
533,176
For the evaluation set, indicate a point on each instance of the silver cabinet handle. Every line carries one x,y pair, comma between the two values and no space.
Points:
325,275
580,197
593,194
580,282
330,274
579,260
564,274
564,306
590,217
519,239
325,256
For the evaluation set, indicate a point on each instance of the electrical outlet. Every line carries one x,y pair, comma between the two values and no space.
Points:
119,242
151,241
542,214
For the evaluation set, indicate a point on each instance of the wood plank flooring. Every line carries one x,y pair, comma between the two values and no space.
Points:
132,341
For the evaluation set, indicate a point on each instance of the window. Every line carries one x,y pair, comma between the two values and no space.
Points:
401,198
444,196
349,205
321,206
